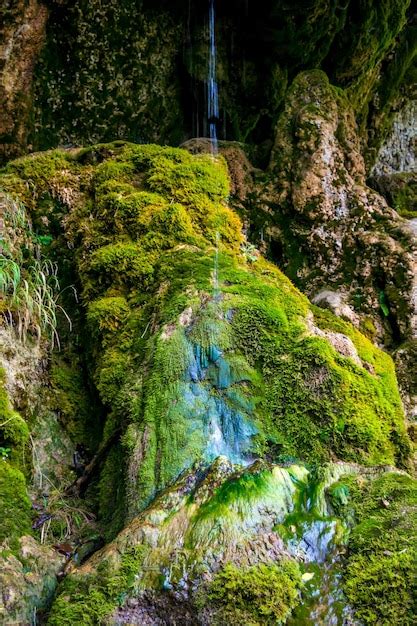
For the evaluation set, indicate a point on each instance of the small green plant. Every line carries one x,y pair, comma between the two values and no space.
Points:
32,304
249,251
4,453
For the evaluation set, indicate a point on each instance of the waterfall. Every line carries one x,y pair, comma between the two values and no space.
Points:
213,92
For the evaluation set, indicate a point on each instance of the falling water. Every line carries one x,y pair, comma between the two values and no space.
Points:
213,93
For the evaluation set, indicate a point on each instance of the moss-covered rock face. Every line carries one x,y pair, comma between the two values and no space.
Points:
198,348
131,91
198,352
329,229
208,546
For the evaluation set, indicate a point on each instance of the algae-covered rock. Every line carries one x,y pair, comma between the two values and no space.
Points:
209,522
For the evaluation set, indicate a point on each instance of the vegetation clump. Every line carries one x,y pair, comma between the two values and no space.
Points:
95,597
15,505
265,593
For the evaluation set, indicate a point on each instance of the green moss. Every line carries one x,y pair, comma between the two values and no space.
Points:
100,91
40,168
261,594
95,597
14,432
365,42
111,492
401,191
107,314
15,505
71,400
122,262
381,570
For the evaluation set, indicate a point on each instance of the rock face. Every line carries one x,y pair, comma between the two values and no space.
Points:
28,582
185,436
87,87
22,35
207,522
333,230
398,153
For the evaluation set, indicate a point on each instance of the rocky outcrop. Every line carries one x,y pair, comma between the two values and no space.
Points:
334,231
210,520
87,87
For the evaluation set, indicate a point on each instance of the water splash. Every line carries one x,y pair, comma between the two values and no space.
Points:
212,87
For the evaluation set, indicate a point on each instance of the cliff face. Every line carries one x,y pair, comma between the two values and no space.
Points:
207,360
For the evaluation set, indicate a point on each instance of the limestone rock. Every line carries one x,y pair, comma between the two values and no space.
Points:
336,302
399,151
28,582
345,232
21,37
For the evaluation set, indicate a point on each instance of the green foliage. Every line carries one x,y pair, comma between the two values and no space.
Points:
14,432
29,285
261,594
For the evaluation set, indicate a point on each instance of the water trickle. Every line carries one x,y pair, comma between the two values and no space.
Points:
315,539
212,87
225,416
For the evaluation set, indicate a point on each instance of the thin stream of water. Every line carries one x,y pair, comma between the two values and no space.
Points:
213,92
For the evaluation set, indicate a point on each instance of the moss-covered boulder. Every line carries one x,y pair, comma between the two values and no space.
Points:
208,545
197,348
